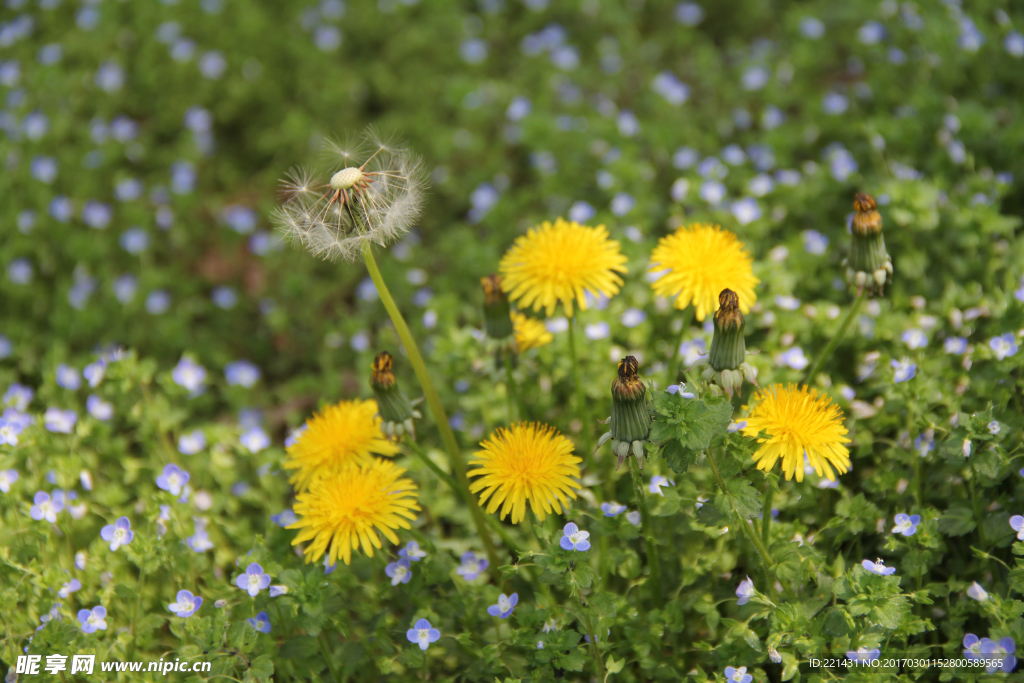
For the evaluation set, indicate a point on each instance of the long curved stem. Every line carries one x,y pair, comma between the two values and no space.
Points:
829,349
434,402
653,561
673,363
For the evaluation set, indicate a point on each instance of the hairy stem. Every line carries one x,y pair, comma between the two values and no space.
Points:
651,546
830,348
434,402
673,363
511,390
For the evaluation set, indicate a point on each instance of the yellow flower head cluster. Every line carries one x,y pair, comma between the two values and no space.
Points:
527,462
530,332
798,421
699,261
343,511
557,263
340,435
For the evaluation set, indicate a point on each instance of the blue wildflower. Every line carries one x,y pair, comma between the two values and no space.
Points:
173,479
914,339
745,591
878,567
45,508
118,534
8,477
740,675
191,443
94,619
412,551
68,588
185,604
903,369
906,524
242,373
423,634
1003,345
400,571
1017,522
1003,651
190,375
68,377
253,580
657,482
863,654
255,439
506,603
471,566
574,538
285,518
261,622
612,509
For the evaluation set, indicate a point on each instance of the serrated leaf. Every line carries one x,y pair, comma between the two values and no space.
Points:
679,458
745,497
957,521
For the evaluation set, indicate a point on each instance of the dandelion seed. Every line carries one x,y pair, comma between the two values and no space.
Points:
375,197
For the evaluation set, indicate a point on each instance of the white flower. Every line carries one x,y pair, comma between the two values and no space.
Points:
372,194
977,592
966,448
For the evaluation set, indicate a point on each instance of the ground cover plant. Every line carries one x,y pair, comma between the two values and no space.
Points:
514,340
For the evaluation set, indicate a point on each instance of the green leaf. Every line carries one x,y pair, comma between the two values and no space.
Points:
678,457
261,669
693,422
574,661
957,521
299,647
745,497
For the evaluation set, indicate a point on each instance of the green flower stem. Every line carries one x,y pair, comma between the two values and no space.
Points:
759,546
582,406
978,519
594,649
138,608
325,650
830,348
434,401
673,363
515,409
653,561
766,512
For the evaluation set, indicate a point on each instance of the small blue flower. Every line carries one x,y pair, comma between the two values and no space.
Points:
241,373
976,592
118,534
1017,523
190,375
284,518
8,477
68,588
1003,345
657,482
158,301
906,524
400,571
200,542
98,409
925,443
255,439
328,567
574,538
191,443
173,479
68,377
955,345
915,339
93,619
8,433
506,603
740,675
185,604
878,567
612,509
903,369
412,551
1002,651
423,634
94,372
45,508
472,566
972,646
278,590
253,580
863,654
745,591
794,358
261,622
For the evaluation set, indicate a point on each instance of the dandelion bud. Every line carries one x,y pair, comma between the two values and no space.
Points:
395,410
727,364
868,264
630,419
497,315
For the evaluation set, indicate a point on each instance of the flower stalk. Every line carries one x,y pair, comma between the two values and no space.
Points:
650,544
673,363
434,402
830,348
582,406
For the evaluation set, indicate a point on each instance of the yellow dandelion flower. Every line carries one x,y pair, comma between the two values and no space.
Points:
344,510
698,262
798,421
530,332
557,263
526,462
345,433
